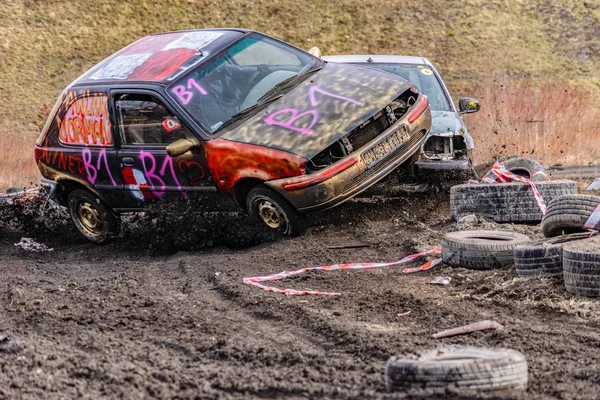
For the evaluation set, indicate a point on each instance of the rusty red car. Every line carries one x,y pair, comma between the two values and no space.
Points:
228,118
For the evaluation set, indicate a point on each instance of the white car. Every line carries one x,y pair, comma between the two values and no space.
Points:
447,152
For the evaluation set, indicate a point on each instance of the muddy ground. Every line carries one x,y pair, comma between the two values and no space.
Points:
162,311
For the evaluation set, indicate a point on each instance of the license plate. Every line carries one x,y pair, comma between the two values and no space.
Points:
385,147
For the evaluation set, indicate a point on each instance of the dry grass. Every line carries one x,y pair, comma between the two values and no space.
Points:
569,133
45,44
17,164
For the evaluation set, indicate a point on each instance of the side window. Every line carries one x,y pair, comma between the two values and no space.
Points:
87,122
143,119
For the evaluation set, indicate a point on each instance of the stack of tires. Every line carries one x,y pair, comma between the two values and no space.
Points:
508,202
581,258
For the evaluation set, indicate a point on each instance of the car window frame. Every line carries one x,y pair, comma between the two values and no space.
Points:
185,114
113,110
86,94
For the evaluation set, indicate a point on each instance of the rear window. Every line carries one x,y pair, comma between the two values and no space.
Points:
87,122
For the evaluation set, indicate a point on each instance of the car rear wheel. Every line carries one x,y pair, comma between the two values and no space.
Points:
94,220
269,207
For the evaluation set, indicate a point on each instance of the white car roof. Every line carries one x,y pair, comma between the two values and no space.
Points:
362,58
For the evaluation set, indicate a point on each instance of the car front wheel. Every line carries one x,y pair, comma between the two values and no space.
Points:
274,211
94,220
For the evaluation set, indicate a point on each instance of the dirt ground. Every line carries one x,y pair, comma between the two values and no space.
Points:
162,311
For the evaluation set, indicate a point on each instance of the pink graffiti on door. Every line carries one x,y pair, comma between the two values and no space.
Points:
156,181
92,169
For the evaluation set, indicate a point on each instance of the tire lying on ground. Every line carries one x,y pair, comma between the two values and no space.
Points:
543,256
525,167
568,214
581,267
481,249
505,202
467,368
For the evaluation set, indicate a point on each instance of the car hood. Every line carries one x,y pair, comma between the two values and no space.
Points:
445,123
320,110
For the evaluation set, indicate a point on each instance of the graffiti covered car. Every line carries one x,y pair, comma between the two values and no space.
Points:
447,152
229,118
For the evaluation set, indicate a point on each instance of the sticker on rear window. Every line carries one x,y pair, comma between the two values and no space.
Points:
426,71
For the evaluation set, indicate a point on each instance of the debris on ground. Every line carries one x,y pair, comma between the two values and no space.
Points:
29,244
461,330
441,280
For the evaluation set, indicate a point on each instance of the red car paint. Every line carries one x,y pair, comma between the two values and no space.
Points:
231,161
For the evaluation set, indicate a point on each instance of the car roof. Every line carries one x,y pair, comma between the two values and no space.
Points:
364,58
160,57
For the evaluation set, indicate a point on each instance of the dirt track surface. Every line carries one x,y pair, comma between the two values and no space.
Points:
139,318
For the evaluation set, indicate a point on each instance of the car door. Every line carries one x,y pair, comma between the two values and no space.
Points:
87,152
146,126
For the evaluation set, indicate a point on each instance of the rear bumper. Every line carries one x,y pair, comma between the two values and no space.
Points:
358,177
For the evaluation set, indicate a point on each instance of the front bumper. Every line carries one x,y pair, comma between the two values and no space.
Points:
450,170
358,177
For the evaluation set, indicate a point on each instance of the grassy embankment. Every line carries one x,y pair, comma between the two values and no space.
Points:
524,59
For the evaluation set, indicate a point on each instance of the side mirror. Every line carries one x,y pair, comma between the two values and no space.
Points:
314,51
468,105
180,147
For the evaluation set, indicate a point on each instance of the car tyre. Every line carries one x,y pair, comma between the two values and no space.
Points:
525,167
581,267
505,202
568,214
94,220
543,256
458,367
275,212
481,250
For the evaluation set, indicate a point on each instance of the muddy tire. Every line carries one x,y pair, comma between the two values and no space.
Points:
581,267
275,212
525,167
465,368
543,256
505,202
568,214
94,220
481,250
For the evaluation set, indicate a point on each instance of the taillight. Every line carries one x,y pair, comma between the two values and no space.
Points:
322,175
418,109
38,154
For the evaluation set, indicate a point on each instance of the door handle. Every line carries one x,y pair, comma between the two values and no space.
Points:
128,161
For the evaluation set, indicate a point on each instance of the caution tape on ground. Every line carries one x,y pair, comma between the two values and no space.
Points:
256,280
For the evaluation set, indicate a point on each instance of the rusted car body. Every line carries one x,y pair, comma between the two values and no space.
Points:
227,117
447,152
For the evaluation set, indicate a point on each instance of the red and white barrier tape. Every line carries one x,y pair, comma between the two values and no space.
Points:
593,220
504,176
255,280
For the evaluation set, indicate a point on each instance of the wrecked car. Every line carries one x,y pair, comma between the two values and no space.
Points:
447,152
230,118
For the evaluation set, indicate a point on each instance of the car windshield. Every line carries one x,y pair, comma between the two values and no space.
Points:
238,79
422,78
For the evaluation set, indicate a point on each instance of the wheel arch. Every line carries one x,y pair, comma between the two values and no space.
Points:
242,187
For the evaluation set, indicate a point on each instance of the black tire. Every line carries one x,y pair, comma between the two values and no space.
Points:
466,368
581,267
506,202
480,250
526,167
568,214
100,225
543,256
262,200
